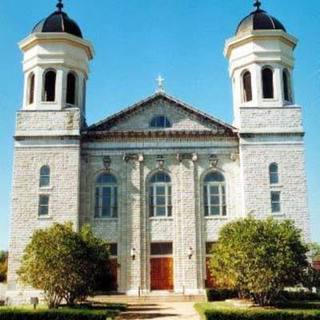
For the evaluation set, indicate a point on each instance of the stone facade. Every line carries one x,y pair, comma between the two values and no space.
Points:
135,229
125,145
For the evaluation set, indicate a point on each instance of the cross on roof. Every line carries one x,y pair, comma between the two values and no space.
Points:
257,4
59,5
160,81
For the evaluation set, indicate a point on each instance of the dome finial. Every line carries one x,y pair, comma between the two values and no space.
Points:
59,5
257,4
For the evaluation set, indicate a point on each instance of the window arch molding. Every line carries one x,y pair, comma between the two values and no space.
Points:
246,86
31,88
49,84
159,194
214,193
105,194
267,79
72,80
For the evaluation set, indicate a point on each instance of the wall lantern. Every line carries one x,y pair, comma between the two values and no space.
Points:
133,253
190,252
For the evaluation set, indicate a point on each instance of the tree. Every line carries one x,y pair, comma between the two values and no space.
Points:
3,266
65,264
312,274
314,250
312,278
259,258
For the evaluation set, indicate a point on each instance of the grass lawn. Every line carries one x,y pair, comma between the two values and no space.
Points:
226,310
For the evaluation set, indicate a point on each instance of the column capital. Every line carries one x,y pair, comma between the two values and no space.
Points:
187,156
133,157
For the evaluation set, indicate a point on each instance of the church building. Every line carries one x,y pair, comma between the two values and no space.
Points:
158,179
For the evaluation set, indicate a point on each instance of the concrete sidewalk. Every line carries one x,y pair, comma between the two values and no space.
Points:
161,311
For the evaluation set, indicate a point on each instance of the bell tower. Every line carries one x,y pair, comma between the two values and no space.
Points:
272,164
261,63
55,65
46,175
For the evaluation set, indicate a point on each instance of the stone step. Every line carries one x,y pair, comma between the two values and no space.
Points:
147,298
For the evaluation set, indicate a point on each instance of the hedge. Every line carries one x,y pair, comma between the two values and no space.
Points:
60,314
221,294
224,294
298,305
299,296
239,314
268,315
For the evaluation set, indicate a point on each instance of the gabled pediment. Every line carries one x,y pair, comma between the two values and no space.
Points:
182,117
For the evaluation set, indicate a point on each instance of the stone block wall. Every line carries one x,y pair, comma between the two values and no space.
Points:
256,154
277,119
48,123
64,163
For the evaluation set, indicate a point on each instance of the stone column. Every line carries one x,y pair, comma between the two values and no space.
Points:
187,235
134,165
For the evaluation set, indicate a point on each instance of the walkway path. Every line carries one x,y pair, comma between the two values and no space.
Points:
161,311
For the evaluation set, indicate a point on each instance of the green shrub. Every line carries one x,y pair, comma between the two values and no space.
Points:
259,257
3,266
60,314
241,314
70,263
221,294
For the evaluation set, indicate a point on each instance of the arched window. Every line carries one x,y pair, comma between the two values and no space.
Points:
267,83
31,88
287,86
160,203
160,122
106,196
247,87
49,90
71,88
274,173
214,193
44,177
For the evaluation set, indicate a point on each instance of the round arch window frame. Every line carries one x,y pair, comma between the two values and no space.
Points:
152,196
263,68
114,192
222,193
31,83
287,84
76,88
166,121
43,95
243,89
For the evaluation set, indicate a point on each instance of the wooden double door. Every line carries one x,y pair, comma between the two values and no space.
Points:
161,273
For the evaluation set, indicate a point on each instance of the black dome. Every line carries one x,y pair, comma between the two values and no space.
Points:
58,21
259,20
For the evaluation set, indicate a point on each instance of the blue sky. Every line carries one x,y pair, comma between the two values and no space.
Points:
135,40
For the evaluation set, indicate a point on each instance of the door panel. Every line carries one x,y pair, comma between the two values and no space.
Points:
114,274
161,273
